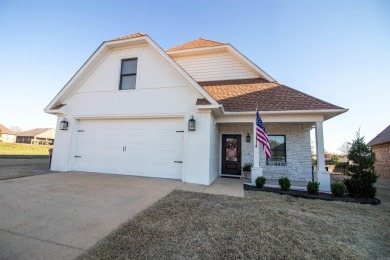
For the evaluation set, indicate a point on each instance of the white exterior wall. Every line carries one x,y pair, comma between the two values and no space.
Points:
7,138
246,148
216,66
160,92
298,149
62,158
214,148
197,155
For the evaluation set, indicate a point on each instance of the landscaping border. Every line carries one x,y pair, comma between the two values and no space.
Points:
319,196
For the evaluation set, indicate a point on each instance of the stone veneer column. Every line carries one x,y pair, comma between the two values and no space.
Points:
323,177
256,170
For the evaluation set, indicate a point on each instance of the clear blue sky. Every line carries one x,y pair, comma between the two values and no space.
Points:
338,51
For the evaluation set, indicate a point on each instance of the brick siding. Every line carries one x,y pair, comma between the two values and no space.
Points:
382,155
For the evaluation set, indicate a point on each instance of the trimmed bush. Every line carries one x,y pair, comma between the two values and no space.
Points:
313,187
260,181
338,189
284,183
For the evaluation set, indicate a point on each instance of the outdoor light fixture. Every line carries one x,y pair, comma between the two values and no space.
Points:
191,124
64,124
248,138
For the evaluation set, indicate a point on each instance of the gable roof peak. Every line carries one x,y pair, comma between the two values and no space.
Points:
130,36
197,43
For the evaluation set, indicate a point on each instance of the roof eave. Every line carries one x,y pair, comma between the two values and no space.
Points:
327,113
380,143
217,109
197,50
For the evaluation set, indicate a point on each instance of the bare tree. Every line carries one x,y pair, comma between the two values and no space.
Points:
16,129
344,148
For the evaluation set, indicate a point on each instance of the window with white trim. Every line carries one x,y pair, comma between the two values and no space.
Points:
128,74
278,150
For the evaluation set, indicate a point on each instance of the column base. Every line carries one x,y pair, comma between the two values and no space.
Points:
323,177
256,172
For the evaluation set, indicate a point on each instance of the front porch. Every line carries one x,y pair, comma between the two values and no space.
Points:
291,146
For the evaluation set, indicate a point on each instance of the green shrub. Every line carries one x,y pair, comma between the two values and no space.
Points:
362,171
313,187
362,186
338,189
284,183
260,181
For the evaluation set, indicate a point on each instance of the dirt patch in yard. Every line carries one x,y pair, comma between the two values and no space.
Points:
16,168
188,225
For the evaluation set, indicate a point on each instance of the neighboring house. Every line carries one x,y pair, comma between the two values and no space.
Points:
381,148
37,136
130,105
6,135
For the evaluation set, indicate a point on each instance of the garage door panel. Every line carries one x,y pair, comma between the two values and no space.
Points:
151,147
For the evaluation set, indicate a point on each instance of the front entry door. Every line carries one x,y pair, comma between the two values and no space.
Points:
231,154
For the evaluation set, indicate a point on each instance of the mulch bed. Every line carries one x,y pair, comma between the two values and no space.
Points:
319,196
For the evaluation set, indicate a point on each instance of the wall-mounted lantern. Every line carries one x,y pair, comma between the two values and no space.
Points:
64,124
248,138
191,124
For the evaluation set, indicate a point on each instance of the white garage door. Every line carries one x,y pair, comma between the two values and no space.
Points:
142,147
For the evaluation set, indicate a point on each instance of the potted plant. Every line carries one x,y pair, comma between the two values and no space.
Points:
247,169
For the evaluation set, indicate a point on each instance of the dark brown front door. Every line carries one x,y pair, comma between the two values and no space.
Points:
231,154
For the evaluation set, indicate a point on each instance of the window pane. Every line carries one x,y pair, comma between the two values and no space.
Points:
278,148
279,139
129,67
128,82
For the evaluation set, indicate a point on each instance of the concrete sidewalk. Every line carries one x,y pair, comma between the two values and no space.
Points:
221,186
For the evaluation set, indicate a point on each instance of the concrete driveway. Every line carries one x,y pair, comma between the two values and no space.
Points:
57,216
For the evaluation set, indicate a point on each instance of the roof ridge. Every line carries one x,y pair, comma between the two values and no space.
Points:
197,43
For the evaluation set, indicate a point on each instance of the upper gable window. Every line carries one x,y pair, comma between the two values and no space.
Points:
128,74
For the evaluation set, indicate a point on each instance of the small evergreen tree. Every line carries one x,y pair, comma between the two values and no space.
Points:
362,169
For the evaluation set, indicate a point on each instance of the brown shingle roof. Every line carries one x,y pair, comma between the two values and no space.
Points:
383,137
245,94
130,36
198,43
34,132
5,130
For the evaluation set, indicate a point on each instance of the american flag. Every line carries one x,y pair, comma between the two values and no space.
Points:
261,135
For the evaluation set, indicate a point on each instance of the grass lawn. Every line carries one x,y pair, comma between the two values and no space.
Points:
188,225
9,150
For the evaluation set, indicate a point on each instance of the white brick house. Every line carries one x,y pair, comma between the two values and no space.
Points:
129,106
